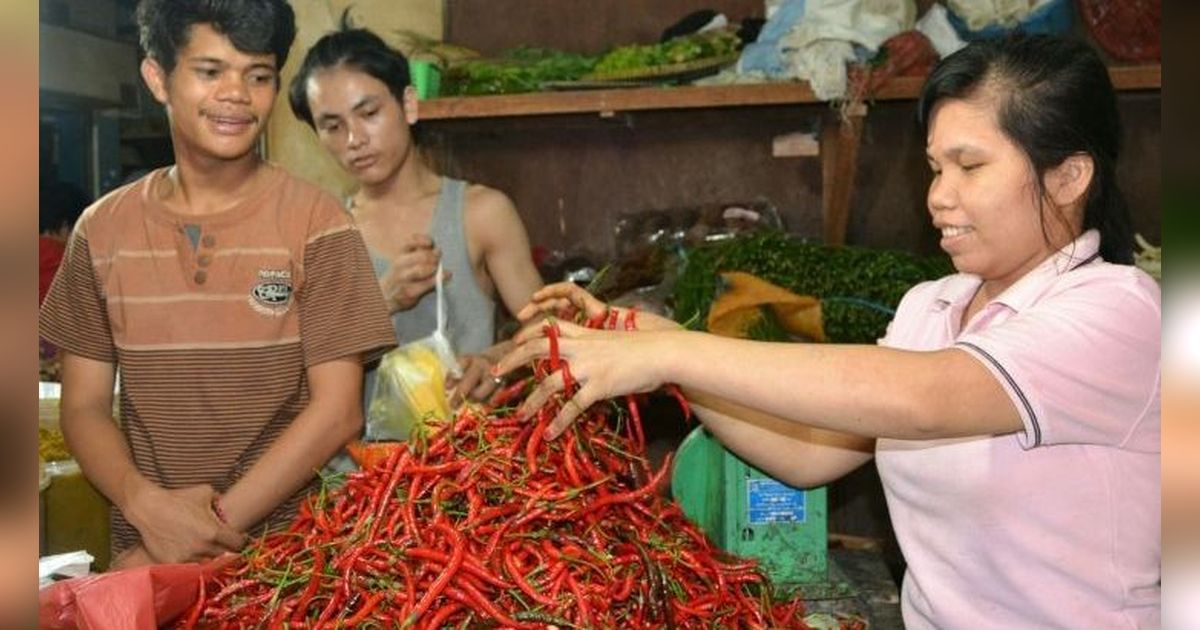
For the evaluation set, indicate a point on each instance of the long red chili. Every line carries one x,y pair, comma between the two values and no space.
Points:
456,559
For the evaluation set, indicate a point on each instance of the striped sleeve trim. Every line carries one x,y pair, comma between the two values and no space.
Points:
74,316
1034,426
345,227
342,312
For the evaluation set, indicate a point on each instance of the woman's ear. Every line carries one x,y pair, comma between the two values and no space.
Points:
410,105
1067,184
155,78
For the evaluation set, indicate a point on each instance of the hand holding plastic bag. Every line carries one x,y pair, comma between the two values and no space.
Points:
411,385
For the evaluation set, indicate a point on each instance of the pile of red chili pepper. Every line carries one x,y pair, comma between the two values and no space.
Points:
486,524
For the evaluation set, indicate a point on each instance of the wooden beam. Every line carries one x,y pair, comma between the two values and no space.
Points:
839,165
607,101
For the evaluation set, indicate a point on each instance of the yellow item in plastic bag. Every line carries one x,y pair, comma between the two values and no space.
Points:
739,307
411,388
411,392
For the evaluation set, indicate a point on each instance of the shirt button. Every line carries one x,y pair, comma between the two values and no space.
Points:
209,240
204,260
200,276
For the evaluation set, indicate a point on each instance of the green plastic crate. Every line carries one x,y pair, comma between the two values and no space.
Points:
749,514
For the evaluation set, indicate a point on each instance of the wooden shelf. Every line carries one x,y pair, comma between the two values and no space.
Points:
607,102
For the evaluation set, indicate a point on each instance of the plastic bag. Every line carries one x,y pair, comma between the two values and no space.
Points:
143,597
411,386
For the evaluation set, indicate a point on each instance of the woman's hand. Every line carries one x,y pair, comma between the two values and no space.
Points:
604,364
412,274
566,300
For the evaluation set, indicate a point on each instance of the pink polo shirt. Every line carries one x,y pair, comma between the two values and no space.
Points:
1057,525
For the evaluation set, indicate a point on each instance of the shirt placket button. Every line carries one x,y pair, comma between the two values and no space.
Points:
208,241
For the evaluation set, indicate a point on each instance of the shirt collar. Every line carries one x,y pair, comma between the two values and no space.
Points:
960,288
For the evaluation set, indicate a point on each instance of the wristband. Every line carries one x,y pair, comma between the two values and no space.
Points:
216,508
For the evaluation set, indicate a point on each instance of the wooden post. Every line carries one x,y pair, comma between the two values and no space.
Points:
839,165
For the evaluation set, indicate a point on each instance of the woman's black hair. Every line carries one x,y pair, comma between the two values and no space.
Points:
252,26
1055,100
356,48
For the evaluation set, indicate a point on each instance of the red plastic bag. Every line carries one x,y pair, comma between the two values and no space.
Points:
143,597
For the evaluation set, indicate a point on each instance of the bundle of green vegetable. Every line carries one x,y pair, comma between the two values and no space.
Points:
520,70
638,57
859,288
528,69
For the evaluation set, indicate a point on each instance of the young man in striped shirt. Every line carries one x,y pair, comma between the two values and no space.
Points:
237,301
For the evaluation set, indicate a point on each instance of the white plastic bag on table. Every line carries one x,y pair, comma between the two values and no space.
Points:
410,388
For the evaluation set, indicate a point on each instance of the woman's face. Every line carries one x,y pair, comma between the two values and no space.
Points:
361,123
983,197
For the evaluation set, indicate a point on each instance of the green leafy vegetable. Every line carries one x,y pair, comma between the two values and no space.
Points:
859,288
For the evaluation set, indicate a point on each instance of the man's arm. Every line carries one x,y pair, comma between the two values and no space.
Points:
497,227
175,525
332,418
494,226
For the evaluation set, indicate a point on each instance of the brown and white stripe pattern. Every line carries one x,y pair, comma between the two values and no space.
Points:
210,374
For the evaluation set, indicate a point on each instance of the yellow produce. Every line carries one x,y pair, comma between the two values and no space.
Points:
411,392
51,446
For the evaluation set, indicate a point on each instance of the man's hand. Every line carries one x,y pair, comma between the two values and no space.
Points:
412,273
180,525
476,382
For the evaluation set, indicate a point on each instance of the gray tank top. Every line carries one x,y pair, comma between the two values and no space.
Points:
470,314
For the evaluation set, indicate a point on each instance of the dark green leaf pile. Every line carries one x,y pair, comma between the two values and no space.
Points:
858,287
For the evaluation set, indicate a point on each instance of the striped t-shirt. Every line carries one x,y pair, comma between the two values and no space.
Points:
212,321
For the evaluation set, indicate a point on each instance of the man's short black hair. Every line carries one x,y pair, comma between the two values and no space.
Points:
356,48
253,26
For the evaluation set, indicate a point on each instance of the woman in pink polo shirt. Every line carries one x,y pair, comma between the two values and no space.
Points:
1012,408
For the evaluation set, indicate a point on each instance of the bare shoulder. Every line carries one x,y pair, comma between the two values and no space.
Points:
490,216
487,201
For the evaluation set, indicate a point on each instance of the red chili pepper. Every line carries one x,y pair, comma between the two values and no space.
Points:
444,613
635,423
551,331
314,582
585,615
632,495
673,390
194,615
367,607
456,559
517,576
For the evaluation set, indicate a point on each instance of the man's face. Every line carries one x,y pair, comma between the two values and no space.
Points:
217,97
360,122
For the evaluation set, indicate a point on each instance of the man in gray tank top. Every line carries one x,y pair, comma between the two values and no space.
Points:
354,90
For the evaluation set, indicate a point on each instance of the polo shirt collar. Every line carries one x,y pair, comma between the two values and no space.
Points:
960,288
1032,285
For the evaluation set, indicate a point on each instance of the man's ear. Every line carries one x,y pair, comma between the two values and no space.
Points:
1068,182
410,105
155,78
